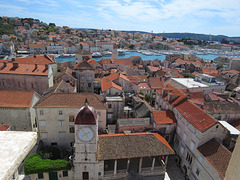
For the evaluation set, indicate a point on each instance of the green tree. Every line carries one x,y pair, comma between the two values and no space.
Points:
188,76
164,38
52,25
67,31
147,98
132,46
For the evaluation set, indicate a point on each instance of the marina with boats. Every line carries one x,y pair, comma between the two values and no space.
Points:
152,55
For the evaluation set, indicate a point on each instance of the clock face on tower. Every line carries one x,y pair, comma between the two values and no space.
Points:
85,134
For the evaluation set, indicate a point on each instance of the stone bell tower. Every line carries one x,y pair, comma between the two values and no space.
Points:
115,52
86,134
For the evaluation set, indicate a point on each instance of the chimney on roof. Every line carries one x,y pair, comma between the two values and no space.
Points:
34,56
15,64
4,64
13,59
36,65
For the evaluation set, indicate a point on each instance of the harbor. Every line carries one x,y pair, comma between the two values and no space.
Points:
149,56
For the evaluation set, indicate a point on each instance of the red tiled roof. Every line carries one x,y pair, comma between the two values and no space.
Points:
19,99
215,98
70,100
143,86
43,46
142,78
195,73
156,83
107,83
133,80
211,72
217,155
91,61
39,59
197,97
153,69
178,76
164,117
195,115
121,146
124,77
83,65
180,61
4,127
124,61
27,69
177,94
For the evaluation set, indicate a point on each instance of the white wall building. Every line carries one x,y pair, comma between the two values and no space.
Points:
56,115
16,109
195,86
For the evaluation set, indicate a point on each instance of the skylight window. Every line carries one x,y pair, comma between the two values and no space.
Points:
26,69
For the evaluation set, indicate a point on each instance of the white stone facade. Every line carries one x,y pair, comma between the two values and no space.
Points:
56,125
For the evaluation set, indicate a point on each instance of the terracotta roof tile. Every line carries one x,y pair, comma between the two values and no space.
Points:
217,155
143,86
210,72
83,65
197,97
124,77
120,146
4,127
43,46
156,83
27,69
195,115
153,69
21,99
180,61
164,117
71,100
91,61
39,59
215,97
107,83
177,95
124,61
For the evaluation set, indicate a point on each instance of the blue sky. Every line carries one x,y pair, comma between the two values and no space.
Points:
197,16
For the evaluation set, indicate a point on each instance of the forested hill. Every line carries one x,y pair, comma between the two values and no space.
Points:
203,37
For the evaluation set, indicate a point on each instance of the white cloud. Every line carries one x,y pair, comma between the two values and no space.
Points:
41,2
160,10
11,9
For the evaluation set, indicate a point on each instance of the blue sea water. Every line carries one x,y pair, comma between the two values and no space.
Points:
144,57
